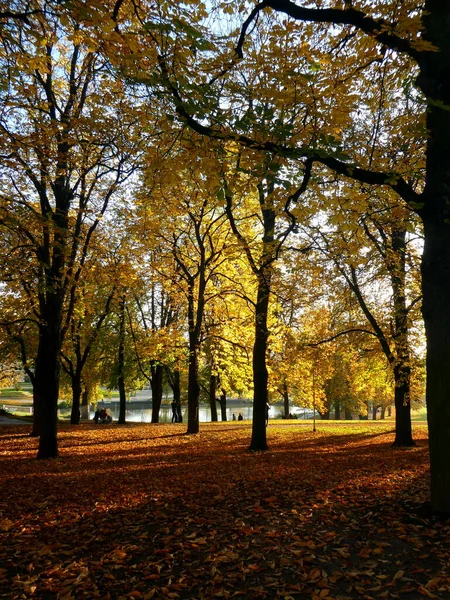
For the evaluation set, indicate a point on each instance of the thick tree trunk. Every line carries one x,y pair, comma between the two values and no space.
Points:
348,415
325,415
436,313
212,397
156,383
47,386
383,413
435,83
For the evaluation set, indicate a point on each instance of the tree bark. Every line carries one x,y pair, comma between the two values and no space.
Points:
435,83
260,373
337,410
402,368
47,374
374,411
285,395
85,404
173,378
223,405
76,398
436,302
212,397
121,364
193,390
156,383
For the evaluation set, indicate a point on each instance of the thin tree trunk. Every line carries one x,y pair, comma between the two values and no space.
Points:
223,405
195,323
85,404
285,394
76,398
156,383
121,364
402,369
337,410
212,397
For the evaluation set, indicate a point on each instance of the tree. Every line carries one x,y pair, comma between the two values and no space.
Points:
92,308
63,160
193,239
423,38
347,246
410,39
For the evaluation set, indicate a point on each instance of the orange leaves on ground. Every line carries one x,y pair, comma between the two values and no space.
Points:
147,512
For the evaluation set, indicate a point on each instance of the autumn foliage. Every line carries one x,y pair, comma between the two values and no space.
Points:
145,511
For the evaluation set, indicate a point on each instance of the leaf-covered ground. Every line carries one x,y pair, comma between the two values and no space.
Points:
144,511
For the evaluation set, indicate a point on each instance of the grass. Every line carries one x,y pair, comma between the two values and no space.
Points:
15,394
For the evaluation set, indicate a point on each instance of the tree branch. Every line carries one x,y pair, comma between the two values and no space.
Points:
379,29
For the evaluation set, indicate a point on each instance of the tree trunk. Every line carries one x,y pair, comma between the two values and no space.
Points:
337,410
285,395
402,369
47,385
374,411
36,427
348,415
403,428
223,405
383,413
193,389
325,415
195,324
156,383
212,397
76,398
121,364
85,404
436,302
260,373
173,378
435,83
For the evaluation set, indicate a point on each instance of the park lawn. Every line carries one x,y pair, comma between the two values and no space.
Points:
14,394
145,511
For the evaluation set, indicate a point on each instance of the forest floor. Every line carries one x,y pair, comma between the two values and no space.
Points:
145,511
